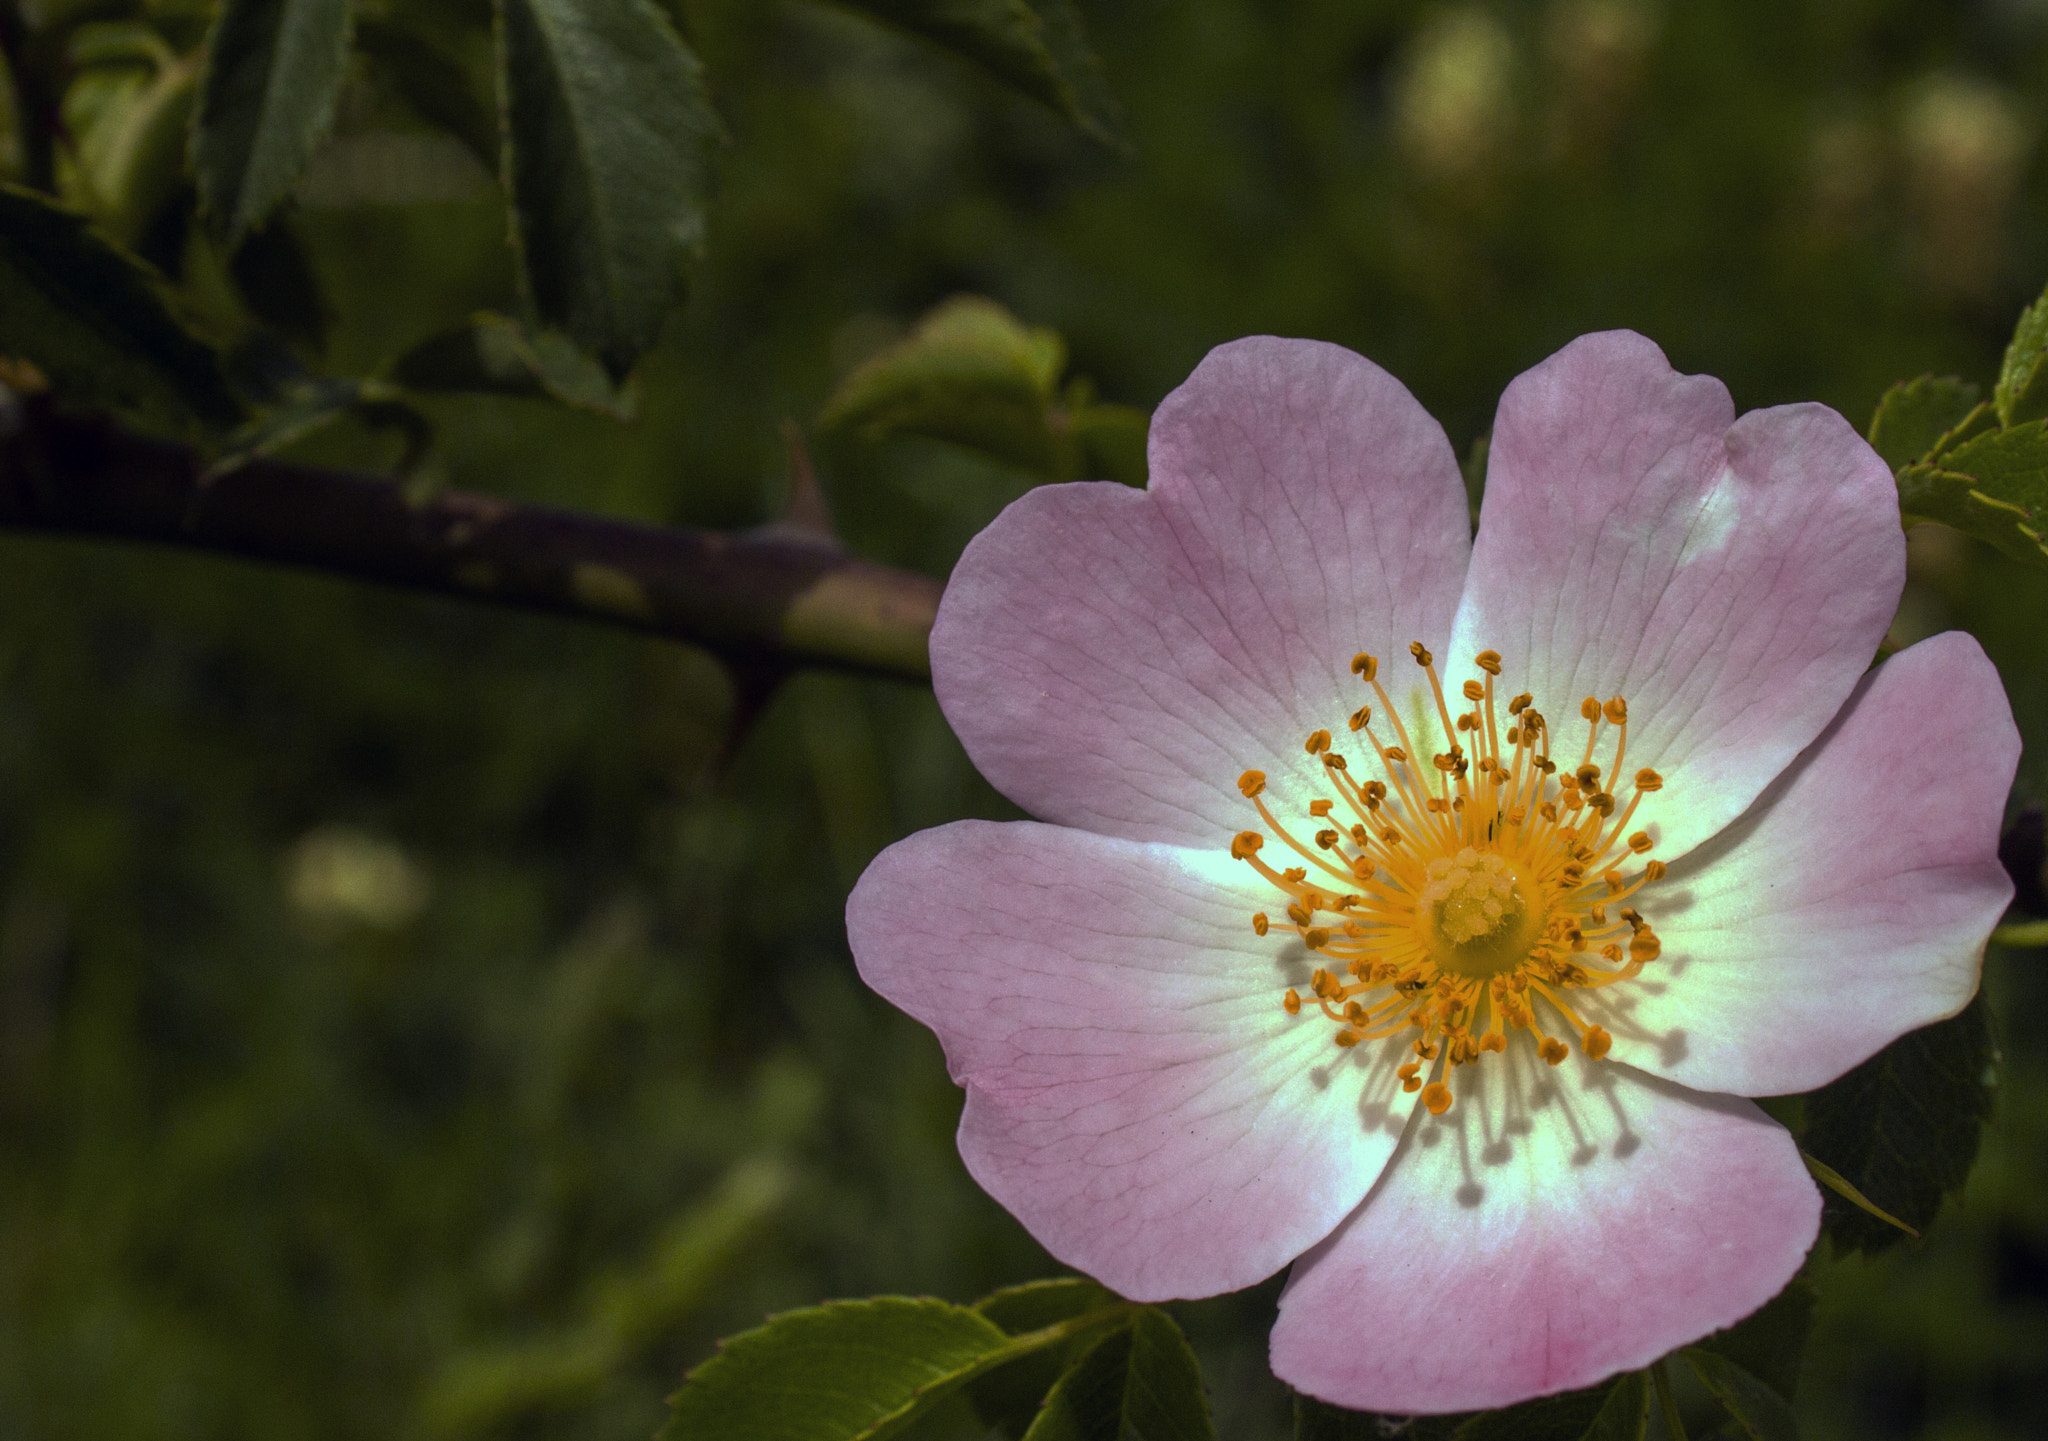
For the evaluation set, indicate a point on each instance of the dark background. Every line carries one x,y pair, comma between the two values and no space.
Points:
419,1021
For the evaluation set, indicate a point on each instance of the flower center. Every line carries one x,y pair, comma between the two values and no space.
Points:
1477,918
1464,896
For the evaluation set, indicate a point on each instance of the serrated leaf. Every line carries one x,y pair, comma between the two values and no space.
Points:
274,69
2022,393
495,356
1770,1343
849,1370
971,373
1914,415
1760,1413
96,322
1569,1416
1008,1398
430,80
1039,46
1904,1127
1993,486
1037,1304
1140,1383
608,134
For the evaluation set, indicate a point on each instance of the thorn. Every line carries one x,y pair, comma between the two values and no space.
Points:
805,515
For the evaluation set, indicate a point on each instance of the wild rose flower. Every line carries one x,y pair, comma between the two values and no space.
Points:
1417,908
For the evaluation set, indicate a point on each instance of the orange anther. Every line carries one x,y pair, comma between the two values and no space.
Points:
1597,1042
1437,1096
1365,667
1588,776
1474,690
1494,1041
1326,839
1616,710
1553,1050
1422,656
1362,868
1654,870
1317,742
1251,783
1410,1082
1395,753
1299,913
1347,1038
1315,938
1259,923
1648,780
1645,946
1294,873
1639,842
1590,708
1245,843
1521,703
1323,983
1291,1002
1319,808
1488,661
1361,718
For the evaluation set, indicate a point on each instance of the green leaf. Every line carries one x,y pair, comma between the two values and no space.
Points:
1569,1416
1008,1397
127,112
1039,46
971,373
431,81
276,279
1993,486
97,323
607,157
1914,415
1770,1343
850,1370
1904,1126
2023,380
1761,1413
1835,1181
1037,1304
1625,1415
314,404
1140,1383
495,356
273,71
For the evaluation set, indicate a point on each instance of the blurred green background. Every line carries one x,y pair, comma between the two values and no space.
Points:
418,1021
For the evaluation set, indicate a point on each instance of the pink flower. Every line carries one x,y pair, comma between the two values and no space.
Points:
1403,994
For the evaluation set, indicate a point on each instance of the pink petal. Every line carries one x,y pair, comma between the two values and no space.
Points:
1850,905
1553,1228
1113,659
1730,580
1136,1095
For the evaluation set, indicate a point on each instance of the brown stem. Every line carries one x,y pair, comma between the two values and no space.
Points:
773,598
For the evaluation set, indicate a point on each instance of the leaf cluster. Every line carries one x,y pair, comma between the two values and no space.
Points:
1980,466
1060,1360
595,116
972,374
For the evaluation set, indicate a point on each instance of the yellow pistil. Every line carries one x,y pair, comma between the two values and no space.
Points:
1470,885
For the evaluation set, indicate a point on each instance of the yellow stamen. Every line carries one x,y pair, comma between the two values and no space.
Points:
1455,898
